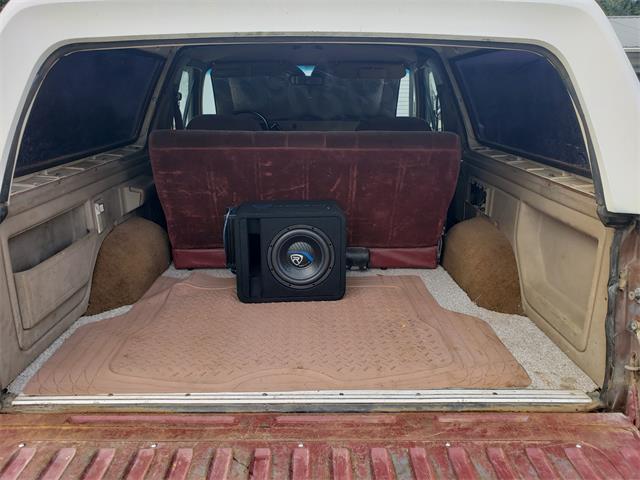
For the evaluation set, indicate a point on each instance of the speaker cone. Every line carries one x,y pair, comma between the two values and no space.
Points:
300,256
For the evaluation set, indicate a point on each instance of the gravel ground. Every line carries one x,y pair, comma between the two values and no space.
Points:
547,366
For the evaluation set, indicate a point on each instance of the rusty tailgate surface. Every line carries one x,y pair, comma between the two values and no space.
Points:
318,446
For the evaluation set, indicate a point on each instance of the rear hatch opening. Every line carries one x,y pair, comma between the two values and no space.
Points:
449,176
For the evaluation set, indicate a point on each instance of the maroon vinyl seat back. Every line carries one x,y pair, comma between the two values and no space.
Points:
395,187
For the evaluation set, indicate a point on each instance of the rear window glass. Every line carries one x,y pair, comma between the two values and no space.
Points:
88,102
518,102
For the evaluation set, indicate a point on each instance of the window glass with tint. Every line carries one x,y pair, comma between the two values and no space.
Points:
406,98
187,94
518,102
88,102
433,109
208,99
342,91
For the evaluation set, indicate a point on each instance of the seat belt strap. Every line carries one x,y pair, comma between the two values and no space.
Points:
177,114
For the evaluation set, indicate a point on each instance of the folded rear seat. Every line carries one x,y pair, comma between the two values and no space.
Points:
395,187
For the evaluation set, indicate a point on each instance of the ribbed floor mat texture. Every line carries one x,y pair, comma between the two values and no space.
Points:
194,335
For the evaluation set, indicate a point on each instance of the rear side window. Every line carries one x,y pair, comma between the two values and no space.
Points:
89,102
208,98
406,97
432,100
187,94
519,103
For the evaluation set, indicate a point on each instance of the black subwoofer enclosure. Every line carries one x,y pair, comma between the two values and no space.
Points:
287,251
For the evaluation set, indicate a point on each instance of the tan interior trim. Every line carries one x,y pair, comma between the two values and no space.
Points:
562,250
26,329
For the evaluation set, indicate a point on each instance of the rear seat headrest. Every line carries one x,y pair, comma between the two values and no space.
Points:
225,122
396,124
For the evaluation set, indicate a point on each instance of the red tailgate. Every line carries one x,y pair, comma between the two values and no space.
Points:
314,446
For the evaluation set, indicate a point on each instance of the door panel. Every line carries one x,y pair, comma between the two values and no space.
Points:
49,243
557,268
561,247
44,288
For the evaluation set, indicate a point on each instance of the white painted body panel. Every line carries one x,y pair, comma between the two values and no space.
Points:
576,31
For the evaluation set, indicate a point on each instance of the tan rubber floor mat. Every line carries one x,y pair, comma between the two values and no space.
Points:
195,336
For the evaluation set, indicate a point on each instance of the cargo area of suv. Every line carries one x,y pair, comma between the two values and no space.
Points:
463,173
451,186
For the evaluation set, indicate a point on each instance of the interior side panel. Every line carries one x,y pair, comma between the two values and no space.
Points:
561,247
49,244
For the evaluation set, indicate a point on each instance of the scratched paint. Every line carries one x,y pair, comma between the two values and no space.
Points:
306,447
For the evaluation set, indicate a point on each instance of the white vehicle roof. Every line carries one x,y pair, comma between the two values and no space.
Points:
575,31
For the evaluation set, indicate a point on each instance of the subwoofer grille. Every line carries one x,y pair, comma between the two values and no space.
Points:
301,256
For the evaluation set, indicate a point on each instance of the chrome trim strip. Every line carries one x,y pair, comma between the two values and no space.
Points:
413,397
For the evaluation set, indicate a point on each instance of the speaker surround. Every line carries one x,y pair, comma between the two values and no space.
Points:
287,251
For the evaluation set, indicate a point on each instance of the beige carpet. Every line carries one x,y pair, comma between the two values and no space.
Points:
133,255
195,336
480,259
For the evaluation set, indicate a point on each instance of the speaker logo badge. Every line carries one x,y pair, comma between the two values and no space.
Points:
296,259
300,259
